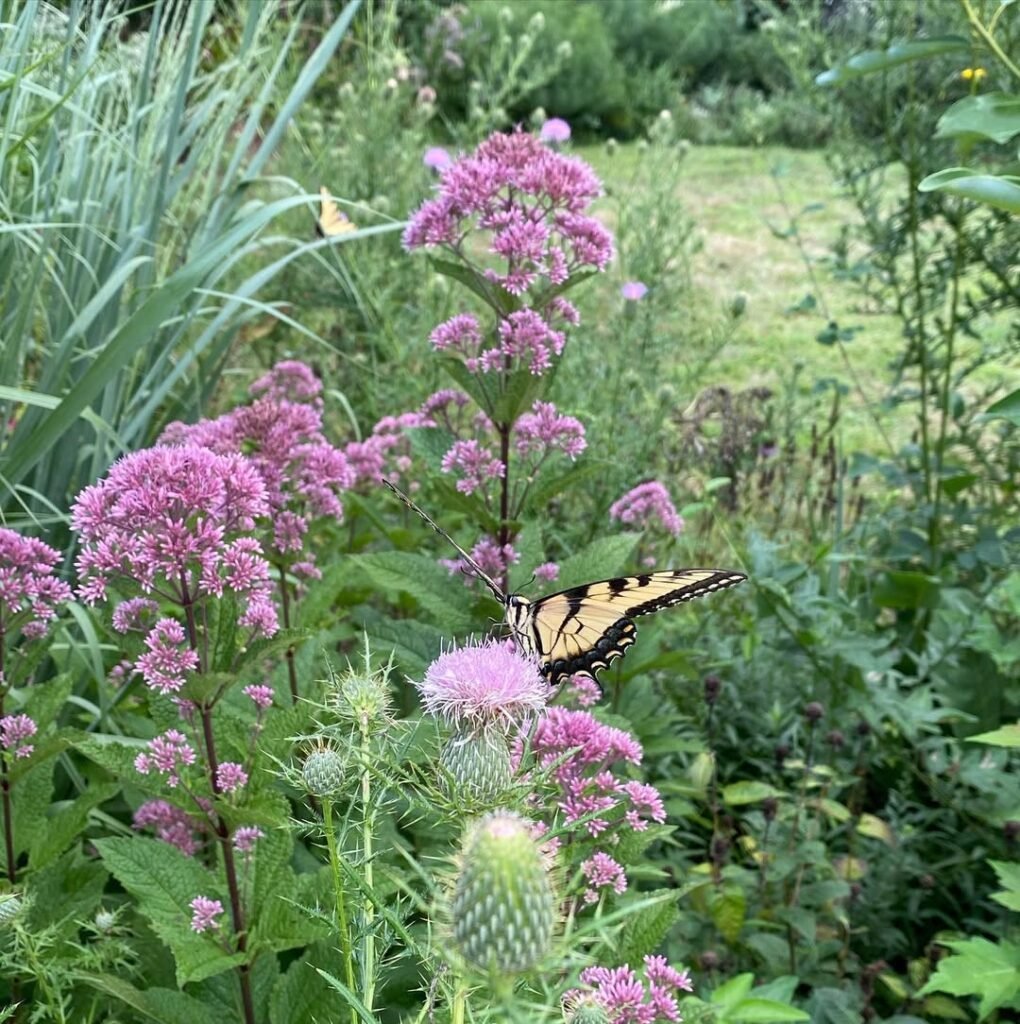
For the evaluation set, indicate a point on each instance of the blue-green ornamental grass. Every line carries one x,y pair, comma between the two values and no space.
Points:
260,759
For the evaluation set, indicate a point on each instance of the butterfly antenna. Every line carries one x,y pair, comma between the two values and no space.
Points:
497,591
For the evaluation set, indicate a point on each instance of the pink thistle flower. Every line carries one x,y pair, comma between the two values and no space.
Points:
602,872
484,684
13,730
167,661
261,695
555,130
436,158
246,837
493,559
634,291
29,590
475,464
645,505
172,825
205,912
543,430
167,755
547,572
230,776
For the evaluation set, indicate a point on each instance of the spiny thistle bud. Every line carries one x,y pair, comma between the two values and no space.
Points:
323,772
713,684
361,696
503,905
814,712
105,921
477,764
11,906
587,1010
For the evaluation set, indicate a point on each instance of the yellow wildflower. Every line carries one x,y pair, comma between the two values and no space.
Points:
973,74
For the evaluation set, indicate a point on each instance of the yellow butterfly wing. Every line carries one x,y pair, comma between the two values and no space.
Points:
586,628
332,221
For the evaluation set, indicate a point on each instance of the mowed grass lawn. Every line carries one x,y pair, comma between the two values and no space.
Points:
739,198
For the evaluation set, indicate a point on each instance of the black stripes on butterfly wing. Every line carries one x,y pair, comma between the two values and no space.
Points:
586,628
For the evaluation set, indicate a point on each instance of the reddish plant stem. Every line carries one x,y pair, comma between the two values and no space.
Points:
504,494
5,782
230,868
285,602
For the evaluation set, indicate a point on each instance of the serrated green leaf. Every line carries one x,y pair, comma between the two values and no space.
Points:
66,891
738,793
30,798
980,968
428,583
604,558
414,644
520,390
164,882
475,385
731,992
646,928
551,485
225,641
46,700
301,996
1008,874
162,1005
728,908
64,822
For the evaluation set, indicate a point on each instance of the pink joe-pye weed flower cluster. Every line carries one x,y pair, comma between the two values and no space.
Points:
30,590
171,824
14,730
648,504
280,434
493,558
205,912
627,999
178,523
578,751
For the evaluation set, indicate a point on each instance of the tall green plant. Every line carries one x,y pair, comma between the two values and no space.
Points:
126,162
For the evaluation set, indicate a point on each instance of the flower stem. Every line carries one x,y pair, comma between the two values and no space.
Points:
457,1010
5,791
230,869
338,891
285,602
367,827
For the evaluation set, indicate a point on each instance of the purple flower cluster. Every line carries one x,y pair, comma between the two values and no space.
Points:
280,433
387,450
578,751
645,505
204,913
168,755
544,430
629,1000
602,872
29,590
177,522
530,199
14,730
493,558
171,824
474,464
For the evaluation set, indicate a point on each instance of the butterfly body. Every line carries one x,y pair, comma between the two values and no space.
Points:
332,220
584,629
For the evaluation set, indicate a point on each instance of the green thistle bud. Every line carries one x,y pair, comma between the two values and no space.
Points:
105,921
476,764
587,1010
361,696
323,772
503,906
11,906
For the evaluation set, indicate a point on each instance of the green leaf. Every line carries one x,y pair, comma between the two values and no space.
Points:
1009,876
164,882
871,61
67,891
749,792
1007,408
989,115
999,191
761,1011
447,599
494,297
522,387
604,558
980,968
906,590
301,996
731,992
162,1005
728,908
1006,736
645,930
414,644
64,822
475,385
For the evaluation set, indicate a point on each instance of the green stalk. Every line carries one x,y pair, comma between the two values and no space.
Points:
368,910
457,1010
338,890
